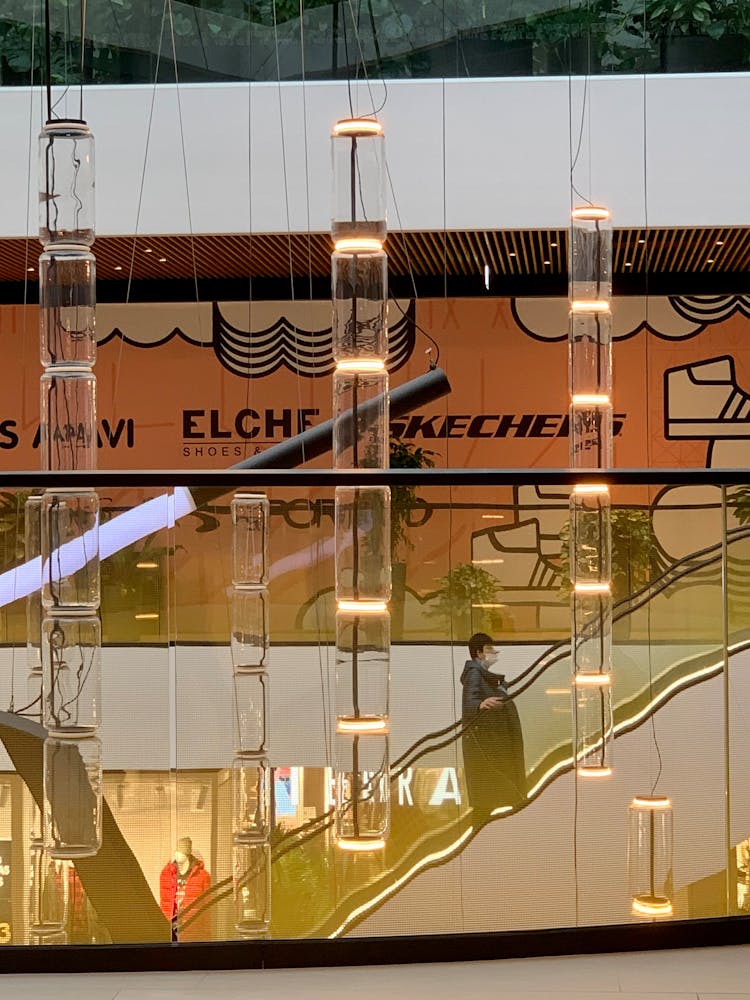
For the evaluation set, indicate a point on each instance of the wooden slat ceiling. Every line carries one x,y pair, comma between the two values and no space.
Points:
509,253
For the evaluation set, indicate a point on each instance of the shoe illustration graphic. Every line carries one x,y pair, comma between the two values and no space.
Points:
702,401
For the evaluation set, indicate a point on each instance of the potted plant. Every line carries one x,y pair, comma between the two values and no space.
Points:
699,35
467,602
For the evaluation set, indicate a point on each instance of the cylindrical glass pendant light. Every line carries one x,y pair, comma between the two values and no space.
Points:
363,646
359,179
66,183
67,306
72,675
71,579
68,440
594,730
48,894
590,277
359,291
362,785
72,772
252,889
250,628
590,431
650,855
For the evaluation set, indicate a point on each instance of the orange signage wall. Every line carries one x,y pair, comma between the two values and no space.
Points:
168,398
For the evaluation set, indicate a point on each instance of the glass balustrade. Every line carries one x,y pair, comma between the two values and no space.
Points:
228,40
203,806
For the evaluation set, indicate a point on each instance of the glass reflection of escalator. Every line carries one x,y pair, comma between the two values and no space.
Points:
321,892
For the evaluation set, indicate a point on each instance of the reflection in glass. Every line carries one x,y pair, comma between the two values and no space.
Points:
252,889
250,629
590,353
70,550
251,694
650,853
250,513
72,675
72,772
590,432
33,551
591,606
362,776
48,894
251,798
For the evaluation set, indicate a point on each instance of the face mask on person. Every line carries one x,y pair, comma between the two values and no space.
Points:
490,658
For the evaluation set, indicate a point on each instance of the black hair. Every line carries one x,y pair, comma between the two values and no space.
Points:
477,643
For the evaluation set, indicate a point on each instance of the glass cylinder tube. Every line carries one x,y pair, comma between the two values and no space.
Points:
362,790
66,183
48,894
363,545
250,641
33,553
594,730
359,179
650,855
590,254
359,290
252,888
362,672
590,420
72,675
590,534
590,353
72,773
251,692
251,799
70,550
67,306
360,413
68,438
591,623
250,517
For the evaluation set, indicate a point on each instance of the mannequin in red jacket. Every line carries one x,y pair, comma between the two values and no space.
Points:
182,881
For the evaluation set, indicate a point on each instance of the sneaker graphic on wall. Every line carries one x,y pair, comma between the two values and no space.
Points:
703,401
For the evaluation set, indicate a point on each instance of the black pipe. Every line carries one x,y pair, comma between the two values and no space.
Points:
318,440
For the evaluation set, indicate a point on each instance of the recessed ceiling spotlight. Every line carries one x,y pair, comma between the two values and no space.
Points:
148,250
162,260
30,270
511,254
641,241
719,243
710,260
628,263
118,267
546,263
553,244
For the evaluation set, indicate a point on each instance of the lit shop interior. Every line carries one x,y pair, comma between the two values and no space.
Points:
374,525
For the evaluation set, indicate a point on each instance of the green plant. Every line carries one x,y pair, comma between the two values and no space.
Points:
667,18
404,499
463,602
634,559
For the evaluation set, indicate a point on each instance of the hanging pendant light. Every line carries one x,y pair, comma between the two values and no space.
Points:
590,421
359,288
251,774
650,855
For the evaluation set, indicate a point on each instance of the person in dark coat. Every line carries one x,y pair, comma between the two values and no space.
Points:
494,764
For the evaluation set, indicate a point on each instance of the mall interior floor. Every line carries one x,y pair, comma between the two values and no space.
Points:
699,974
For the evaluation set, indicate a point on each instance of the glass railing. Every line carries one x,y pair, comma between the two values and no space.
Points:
141,41
473,552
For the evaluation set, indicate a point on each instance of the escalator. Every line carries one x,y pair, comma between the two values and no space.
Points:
319,891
